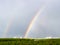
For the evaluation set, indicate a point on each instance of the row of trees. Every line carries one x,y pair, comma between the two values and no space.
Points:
30,42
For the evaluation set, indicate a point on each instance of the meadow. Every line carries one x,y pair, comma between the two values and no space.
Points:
23,41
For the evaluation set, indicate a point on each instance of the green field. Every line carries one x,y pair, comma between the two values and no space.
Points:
22,41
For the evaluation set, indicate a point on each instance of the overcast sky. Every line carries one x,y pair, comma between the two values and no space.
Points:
20,13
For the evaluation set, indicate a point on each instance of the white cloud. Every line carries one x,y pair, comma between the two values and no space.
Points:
17,37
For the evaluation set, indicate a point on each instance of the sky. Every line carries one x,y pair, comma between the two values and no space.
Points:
16,15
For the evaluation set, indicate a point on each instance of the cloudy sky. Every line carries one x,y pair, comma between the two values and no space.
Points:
15,16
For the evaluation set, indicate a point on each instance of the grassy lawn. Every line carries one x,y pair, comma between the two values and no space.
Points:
22,41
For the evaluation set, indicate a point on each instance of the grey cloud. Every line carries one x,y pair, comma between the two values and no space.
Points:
24,10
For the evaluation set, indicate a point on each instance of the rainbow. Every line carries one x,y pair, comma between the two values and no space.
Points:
33,20
8,27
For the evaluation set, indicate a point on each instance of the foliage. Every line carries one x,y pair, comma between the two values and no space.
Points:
18,41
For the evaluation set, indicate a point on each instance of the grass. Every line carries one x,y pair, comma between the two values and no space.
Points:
26,41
